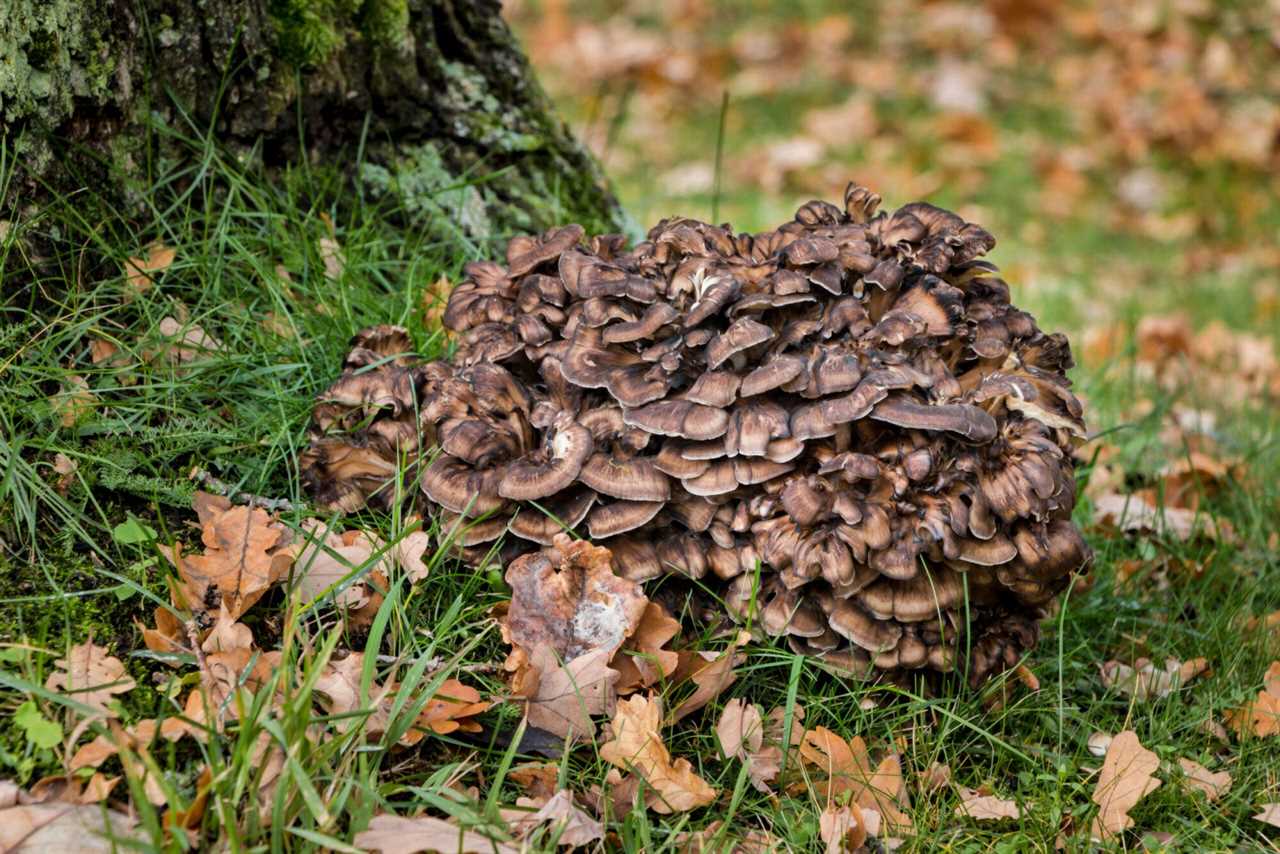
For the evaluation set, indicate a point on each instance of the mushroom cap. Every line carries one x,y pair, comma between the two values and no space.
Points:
631,478
618,517
564,512
549,470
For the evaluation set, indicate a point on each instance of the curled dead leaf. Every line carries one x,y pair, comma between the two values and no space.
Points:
1127,777
636,744
90,675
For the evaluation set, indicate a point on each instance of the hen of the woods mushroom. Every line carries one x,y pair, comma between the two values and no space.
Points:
842,423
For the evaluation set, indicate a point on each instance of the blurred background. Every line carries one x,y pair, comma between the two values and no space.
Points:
1125,153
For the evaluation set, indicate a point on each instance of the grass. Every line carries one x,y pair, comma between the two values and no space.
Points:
70,570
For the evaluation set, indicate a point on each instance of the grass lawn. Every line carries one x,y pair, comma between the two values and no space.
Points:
115,386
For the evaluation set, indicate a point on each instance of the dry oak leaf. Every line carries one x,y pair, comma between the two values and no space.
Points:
74,401
227,635
169,635
225,681
139,269
408,553
569,824
845,766
330,559
187,341
643,661
539,780
105,746
246,552
985,807
339,685
451,708
90,675
1198,778
568,597
1144,681
740,732
1270,815
636,744
45,827
843,829
393,834
1127,777
711,674
1261,717
936,776
568,694
1133,514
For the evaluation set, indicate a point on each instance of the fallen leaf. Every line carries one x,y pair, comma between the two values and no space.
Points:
1127,777
227,635
643,661
168,636
140,269
1134,514
636,744
90,675
569,694
740,732
569,825
1261,717
330,559
710,673
843,766
188,341
1143,681
982,807
74,401
332,256
44,827
1200,779
408,553
1270,814
451,708
246,552
539,780
339,684
938,776
567,597
842,829
65,468
393,834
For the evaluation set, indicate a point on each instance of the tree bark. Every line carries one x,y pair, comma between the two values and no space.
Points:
431,101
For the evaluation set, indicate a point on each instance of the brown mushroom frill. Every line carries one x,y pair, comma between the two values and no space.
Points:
842,423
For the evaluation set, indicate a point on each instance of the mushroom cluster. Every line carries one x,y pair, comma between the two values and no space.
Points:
842,424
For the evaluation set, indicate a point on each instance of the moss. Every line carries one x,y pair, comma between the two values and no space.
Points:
309,31
419,180
50,54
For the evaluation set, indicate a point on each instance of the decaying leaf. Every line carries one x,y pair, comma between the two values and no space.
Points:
90,675
568,597
339,561
1270,815
246,552
740,732
643,661
1198,778
1143,680
74,401
568,694
451,708
985,807
841,767
393,834
1127,777
140,270
842,828
636,744
569,824
1261,717
936,777
1134,514
408,553
186,342
539,780
57,826
711,673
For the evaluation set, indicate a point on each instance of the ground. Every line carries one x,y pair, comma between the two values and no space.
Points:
1151,246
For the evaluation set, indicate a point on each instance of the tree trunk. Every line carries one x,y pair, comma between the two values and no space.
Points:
429,100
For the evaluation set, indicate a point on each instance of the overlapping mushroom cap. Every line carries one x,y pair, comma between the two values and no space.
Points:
842,423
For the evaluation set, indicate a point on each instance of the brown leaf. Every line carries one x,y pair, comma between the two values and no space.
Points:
1261,717
332,256
227,635
643,662
568,597
329,557
187,341
936,777
568,694
636,743
339,683
140,270
1198,778
711,675
842,766
1127,777
451,708
1270,814
74,401
539,780
976,805
90,675
393,834
245,554
1134,514
168,636
44,827
569,824
740,732
1143,681
408,552
842,829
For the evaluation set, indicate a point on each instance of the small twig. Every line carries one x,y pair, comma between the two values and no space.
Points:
223,488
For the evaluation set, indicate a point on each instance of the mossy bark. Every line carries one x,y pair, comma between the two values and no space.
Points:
433,94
